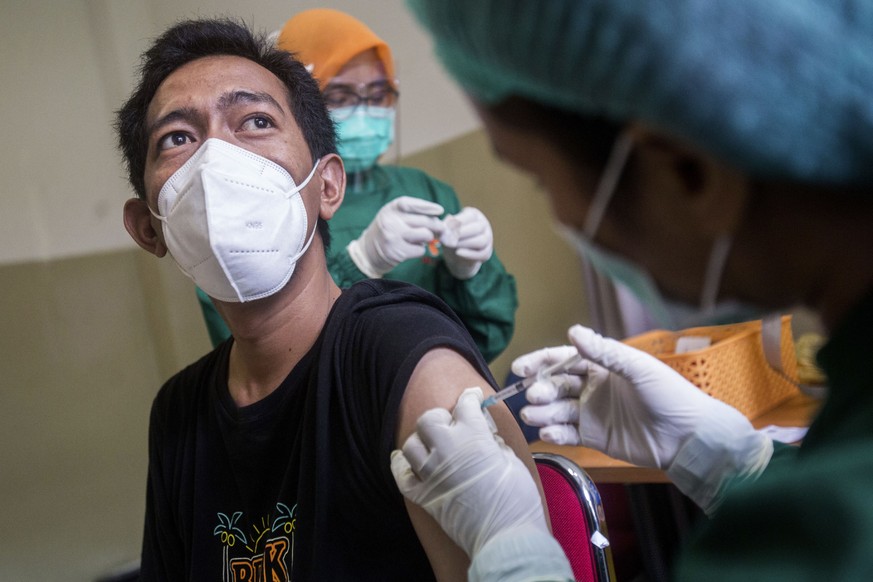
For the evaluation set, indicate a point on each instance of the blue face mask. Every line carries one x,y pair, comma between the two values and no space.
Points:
669,313
363,135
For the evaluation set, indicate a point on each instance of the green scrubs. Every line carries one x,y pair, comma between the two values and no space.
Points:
486,303
809,516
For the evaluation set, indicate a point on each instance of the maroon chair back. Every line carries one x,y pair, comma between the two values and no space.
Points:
577,518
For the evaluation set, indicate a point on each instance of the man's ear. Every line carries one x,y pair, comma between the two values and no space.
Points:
710,192
333,185
138,222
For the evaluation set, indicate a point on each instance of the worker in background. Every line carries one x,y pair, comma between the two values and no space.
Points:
395,222
714,151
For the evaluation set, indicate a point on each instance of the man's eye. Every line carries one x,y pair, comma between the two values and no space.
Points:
258,122
173,140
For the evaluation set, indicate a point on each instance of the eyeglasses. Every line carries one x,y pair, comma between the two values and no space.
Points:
343,100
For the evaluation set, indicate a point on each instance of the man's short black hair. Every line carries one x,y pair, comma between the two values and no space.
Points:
190,40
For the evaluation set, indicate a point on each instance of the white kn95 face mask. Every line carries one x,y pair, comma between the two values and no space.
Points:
234,222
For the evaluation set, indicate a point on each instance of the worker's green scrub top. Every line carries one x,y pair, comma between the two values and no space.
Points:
486,303
809,516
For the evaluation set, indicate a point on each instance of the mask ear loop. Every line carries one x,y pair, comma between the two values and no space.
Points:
315,222
721,248
155,214
605,189
303,184
303,250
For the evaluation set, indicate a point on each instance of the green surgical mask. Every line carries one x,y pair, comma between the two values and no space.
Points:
363,135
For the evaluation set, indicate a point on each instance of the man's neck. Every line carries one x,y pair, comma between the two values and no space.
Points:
271,335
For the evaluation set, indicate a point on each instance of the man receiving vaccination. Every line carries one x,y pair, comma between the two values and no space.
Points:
269,456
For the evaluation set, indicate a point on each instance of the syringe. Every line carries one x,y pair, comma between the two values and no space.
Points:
526,383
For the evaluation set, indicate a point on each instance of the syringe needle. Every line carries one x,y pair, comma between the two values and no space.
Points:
526,383
508,392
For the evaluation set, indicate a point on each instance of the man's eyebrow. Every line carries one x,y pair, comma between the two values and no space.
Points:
232,98
226,101
183,114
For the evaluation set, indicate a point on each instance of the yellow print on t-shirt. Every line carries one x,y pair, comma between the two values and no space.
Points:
266,554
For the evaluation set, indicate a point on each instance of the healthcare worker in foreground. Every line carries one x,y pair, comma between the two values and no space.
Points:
710,152
395,222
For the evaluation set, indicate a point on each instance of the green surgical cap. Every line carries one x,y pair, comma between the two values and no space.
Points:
778,88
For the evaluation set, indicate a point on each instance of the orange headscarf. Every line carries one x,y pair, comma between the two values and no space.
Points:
324,40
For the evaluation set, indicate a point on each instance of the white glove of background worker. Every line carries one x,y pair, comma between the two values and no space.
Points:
467,242
401,231
466,477
642,411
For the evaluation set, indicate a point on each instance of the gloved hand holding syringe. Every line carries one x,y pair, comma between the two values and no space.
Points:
560,367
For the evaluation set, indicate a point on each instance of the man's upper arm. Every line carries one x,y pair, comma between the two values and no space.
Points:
438,380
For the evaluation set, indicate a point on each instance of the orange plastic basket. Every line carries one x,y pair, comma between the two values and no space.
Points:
733,368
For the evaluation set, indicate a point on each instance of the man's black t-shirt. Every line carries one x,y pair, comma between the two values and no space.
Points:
297,486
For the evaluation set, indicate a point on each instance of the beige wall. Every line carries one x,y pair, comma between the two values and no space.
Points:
87,342
80,363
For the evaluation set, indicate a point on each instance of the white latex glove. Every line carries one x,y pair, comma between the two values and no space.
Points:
401,231
640,410
467,242
466,477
